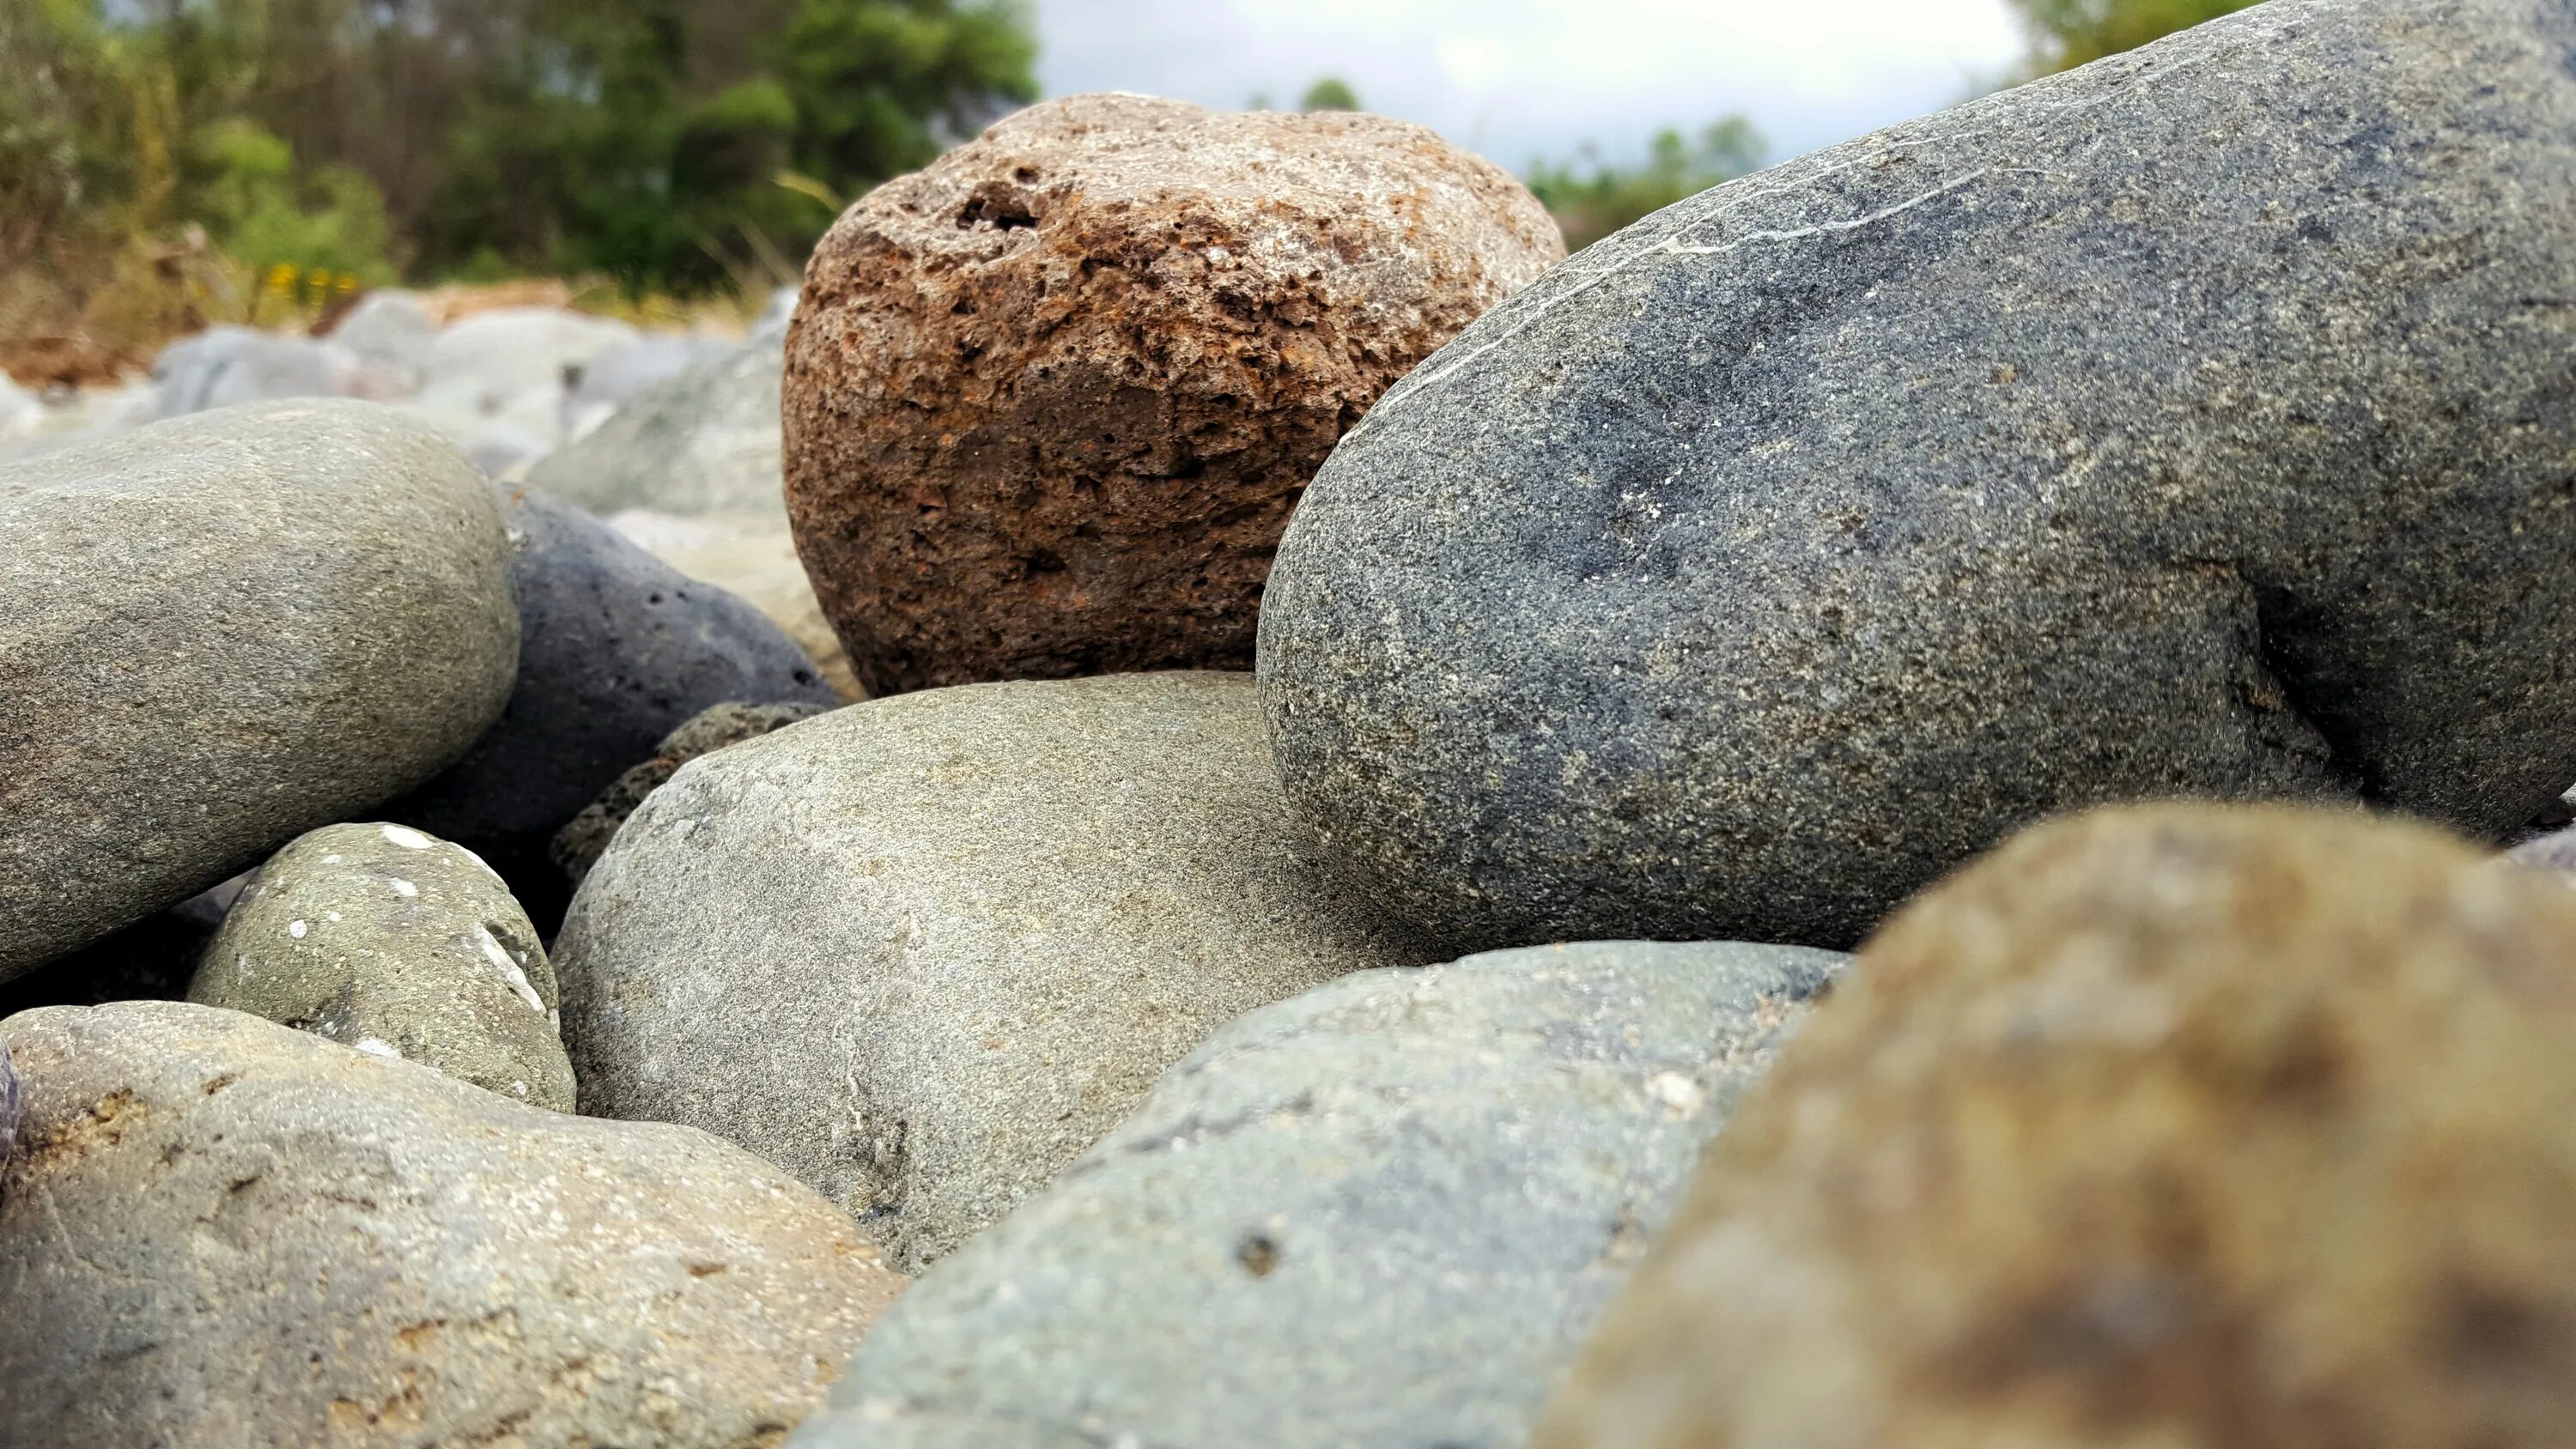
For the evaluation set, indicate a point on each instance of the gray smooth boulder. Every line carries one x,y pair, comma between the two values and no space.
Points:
219,632
707,441
222,1234
381,938
1387,1211
621,374
616,650
584,839
2191,424
922,952
390,334
225,365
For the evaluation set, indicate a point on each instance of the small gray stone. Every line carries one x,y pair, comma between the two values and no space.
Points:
384,939
390,335
225,365
1387,1211
219,632
923,951
704,442
221,1234
616,650
578,846
2191,424
621,374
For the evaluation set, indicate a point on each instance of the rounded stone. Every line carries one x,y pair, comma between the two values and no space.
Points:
387,940
2132,434
1050,401
578,846
221,631
2167,1125
222,1233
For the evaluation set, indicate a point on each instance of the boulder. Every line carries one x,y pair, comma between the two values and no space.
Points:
1050,401
222,1233
578,846
11,1109
616,650
225,365
704,442
520,350
381,938
621,374
152,960
2130,434
922,952
2171,1125
219,632
1400,1201
390,334
752,555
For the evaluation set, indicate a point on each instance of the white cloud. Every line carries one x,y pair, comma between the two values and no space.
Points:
1519,79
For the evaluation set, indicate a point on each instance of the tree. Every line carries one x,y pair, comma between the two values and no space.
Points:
1332,93
2068,33
1594,199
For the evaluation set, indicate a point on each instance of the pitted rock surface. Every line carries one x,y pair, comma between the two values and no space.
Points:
1050,401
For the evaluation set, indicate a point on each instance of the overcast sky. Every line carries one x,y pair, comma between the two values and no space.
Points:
1518,79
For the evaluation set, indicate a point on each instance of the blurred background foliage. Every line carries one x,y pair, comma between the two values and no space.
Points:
159,159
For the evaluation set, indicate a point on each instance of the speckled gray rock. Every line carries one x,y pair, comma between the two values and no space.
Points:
616,650
384,939
2134,433
921,952
219,632
221,1234
704,442
578,846
1398,1201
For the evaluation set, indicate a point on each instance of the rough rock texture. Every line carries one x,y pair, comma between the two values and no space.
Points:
1050,401
2129,434
219,632
578,846
1399,1201
222,1233
11,1108
383,939
752,555
616,650
704,442
2169,1125
921,952
225,365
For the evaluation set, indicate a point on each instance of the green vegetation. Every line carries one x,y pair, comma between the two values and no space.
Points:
1332,93
2068,33
1591,198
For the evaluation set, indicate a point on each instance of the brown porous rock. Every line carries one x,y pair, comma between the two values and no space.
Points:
1049,403
2191,1127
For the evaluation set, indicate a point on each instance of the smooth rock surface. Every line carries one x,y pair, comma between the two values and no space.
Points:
753,555
225,1234
219,632
704,442
390,334
1050,400
381,938
2167,1125
578,846
225,365
1398,1201
152,960
616,650
2131,434
922,952
621,375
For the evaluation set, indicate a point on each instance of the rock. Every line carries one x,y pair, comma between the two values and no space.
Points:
616,651
225,365
1400,1201
502,449
922,952
219,632
520,350
152,960
2554,852
2131,434
391,336
621,374
704,442
753,556
2170,1125
1050,401
20,412
11,1108
381,938
221,1232
578,846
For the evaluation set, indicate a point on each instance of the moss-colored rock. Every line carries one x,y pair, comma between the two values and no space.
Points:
2177,1127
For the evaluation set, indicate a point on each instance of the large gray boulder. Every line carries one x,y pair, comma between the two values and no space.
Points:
2192,424
222,1234
219,632
384,939
1395,1205
707,441
922,952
